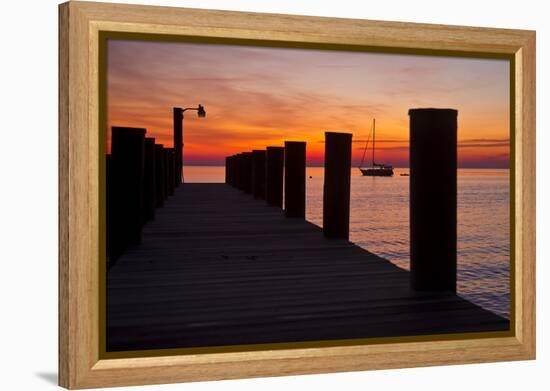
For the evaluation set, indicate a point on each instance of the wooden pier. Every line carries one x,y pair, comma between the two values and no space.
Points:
225,264
218,267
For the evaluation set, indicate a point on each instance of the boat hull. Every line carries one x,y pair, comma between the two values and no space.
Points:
377,171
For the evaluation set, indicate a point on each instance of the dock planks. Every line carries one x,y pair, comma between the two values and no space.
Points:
217,267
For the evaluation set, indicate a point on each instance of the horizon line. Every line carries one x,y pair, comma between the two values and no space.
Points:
217,164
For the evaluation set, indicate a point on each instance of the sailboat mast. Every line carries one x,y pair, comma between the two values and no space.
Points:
373,138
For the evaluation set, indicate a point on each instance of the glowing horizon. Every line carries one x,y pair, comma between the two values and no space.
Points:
257,97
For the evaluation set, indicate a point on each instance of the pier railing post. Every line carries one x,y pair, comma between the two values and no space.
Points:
171,168
127,147
295,179
177,178
229,170
178,145
247,172
108,205
336,190
166,173
227,174
274,169
258,174
238,176
149,186
232,170
433,189
159,176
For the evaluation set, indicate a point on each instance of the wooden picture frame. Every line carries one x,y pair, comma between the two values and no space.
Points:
80,362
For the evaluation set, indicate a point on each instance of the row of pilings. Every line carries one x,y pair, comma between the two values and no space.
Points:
432,190
278,174
140,176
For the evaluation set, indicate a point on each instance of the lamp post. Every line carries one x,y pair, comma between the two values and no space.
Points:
178,136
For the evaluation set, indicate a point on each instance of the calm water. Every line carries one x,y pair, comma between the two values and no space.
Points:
379,222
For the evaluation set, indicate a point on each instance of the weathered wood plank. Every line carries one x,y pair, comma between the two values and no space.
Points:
217,267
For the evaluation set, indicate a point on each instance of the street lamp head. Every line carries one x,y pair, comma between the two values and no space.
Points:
201,112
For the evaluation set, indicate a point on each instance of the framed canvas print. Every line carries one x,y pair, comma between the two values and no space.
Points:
248,195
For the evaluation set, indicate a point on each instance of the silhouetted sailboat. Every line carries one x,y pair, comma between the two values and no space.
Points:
376,169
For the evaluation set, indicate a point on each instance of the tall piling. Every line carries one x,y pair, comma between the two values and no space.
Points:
258,174
127,160
274,170
178,145
149,186
295,179
336,189
433,199
159,176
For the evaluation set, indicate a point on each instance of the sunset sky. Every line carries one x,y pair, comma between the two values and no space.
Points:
256,97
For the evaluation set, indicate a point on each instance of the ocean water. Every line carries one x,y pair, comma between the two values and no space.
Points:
379,222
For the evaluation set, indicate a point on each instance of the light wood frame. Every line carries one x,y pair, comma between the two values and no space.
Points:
80,365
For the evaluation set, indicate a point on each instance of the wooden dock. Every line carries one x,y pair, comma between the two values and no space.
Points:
217,267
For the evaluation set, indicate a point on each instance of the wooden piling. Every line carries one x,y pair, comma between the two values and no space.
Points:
295,179
246,172
336,190
159,176
165,155
232,171
149,184
238,176
171,165
178,145
433,188
274,169
127,151
177,176
258,174
172,159
227,169
108,206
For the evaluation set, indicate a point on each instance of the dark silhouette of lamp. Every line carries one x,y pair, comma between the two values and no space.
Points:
199,109
201,112
178,136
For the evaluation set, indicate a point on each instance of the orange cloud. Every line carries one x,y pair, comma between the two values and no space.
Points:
255,97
